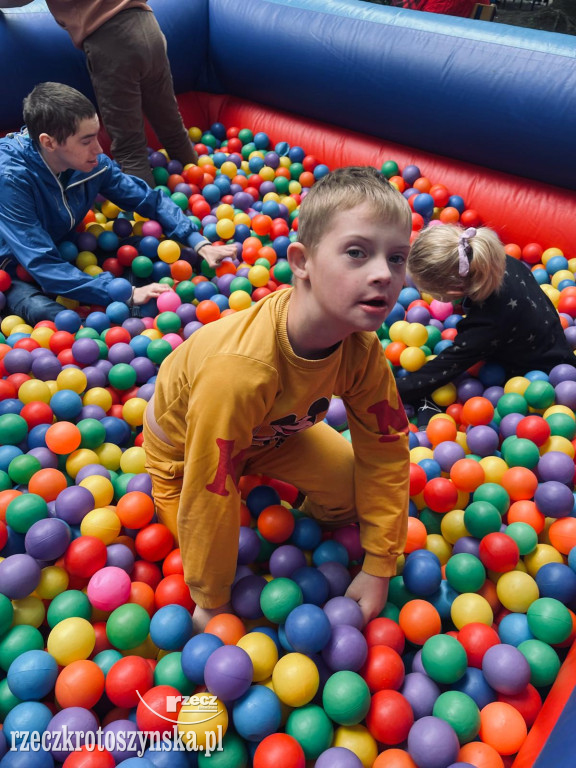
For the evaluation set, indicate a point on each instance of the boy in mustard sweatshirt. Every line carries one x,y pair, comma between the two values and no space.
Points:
248,394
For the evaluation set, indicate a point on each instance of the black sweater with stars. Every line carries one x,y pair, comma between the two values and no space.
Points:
517,327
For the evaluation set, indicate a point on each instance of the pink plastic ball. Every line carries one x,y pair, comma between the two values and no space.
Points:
441,309
173,339
152,229
148,322
109,588
168,301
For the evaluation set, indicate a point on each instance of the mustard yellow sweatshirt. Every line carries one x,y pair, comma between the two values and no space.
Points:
236,385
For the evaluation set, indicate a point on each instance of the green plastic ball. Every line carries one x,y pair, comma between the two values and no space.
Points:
247,150
524,535
493,493
245,135
93,433
520,452
481,518
167,280
120,484
5,482
180,199
444,659
103,349
87,333
22,468
282,272
169,671
241,284
278,598
158,350
209,140
540,394
186,291
266,549
18,640
461,712
128,626
6,614
465,572
168,322
7,699
25,510
549,620
346,698
161,175
233,755
282,185
142,266
390,611
432,520
390,168
13,429
398,593
312,729
543,660
296,170
122,376
511,403
106,659
561,424
69,604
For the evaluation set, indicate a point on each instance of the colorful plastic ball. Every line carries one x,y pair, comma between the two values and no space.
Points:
295,679
128,626
195,654
125,678
346,649
444,659
390,717
263,653
192,723
477,638
461,712
63,437
85,556
482,518
32,675
279,748
470,607
80,684
47,539
257,714
433,743
440,494
421,692
109,588
549,620
543,660
307,628
505,669
19,576
422,573
344,610
499,552
419,620
70,640
135,509
276,523
554,499
502,727
158,710
517,591
346,698
558,581
171,627
465,572
228,672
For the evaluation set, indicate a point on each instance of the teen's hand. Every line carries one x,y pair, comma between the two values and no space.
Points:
370,592
202,616
146,292
215,254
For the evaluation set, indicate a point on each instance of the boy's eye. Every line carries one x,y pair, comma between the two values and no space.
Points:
355,253
398,258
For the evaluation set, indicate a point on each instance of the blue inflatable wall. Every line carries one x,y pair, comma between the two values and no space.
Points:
499,96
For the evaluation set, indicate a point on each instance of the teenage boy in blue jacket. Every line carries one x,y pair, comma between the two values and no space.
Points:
50,176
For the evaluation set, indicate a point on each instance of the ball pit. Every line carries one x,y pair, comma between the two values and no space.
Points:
486,583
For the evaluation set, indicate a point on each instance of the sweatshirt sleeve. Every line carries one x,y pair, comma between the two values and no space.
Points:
33,248
379,432
133,194
222,412
473,342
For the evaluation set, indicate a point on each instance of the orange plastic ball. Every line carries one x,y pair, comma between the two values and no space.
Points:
526,511
520,483
276,523
417,535
480,755
261,224
63,437
80,684
562,534
440,430
228,627
467,474
477,410
419,620
47,483
502,727
394,758
135,509
181,270
207,311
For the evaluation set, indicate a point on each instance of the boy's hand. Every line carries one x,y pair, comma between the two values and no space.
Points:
146,292
202,616
370,592
214,254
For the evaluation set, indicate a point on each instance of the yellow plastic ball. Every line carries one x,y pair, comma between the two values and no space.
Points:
572,265
225,229
516,385
517,591
195,134
263,652
290,203
133,460
452,525
23,328
415,335
228,168
152,333
358,740
137,228
10,322
72,378
98,396
397,330
295,679
100,487
461,440
85,258
109,455
78,459
559,409
93,270
225,211
552,293
102,523
556,443
419,453
562,274
97,227
240,300
242,218
110,210
494,467
274,196
52,386
294,187
168,251
541,555
29,610
412,358
133,411
439,546
549,253
446,395
34,390
42,336
196,725
71,640
258,276
468,608
53,581
147,649
267,173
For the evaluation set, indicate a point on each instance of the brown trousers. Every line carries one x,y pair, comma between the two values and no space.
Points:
131,76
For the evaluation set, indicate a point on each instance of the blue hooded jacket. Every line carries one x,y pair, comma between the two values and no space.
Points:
38,211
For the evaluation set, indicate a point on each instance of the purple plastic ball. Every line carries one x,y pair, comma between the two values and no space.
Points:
421,692
186,312
562,372
509,424
134,326
344,610
120,556
146,391
91,469
191,328
245,597
228,672
285,560
19,576
338,757
92,412
337,576
493,394
121,353
95,377
46,367
506,669
47,459
346,650
141,482
73,503
467,544
448,453
565,393
248,545
18,361
48,539
554,499
482,440
555,465
418,314
433,743
144,368
120,749
85,351
469,388
71,721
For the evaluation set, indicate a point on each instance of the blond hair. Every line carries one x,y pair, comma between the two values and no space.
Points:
346,188
433,262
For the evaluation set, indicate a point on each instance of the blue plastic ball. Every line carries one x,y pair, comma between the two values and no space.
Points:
119,289
257,713
68,320
32,675
171,627
260,497
196,653
308,628
313,583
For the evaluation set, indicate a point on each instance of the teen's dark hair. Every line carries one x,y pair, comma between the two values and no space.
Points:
55,109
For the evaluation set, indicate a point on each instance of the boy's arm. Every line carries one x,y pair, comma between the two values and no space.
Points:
229,397
474,341
34,249
133,194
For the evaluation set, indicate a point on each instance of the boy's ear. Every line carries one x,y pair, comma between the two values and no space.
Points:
47,142
298,260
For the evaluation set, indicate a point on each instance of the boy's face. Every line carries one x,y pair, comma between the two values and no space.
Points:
78,152
358,269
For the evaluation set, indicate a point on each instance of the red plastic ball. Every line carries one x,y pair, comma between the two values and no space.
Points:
528,703
126,255
499,552
440,494
532,253
279,749
173,563
383,669
61,340
276,523
383,631
90,757
173,589
158,710
128,677
389,718
147,572
85,556
477,638
37,412
534,428
154,542
5,280
418,479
